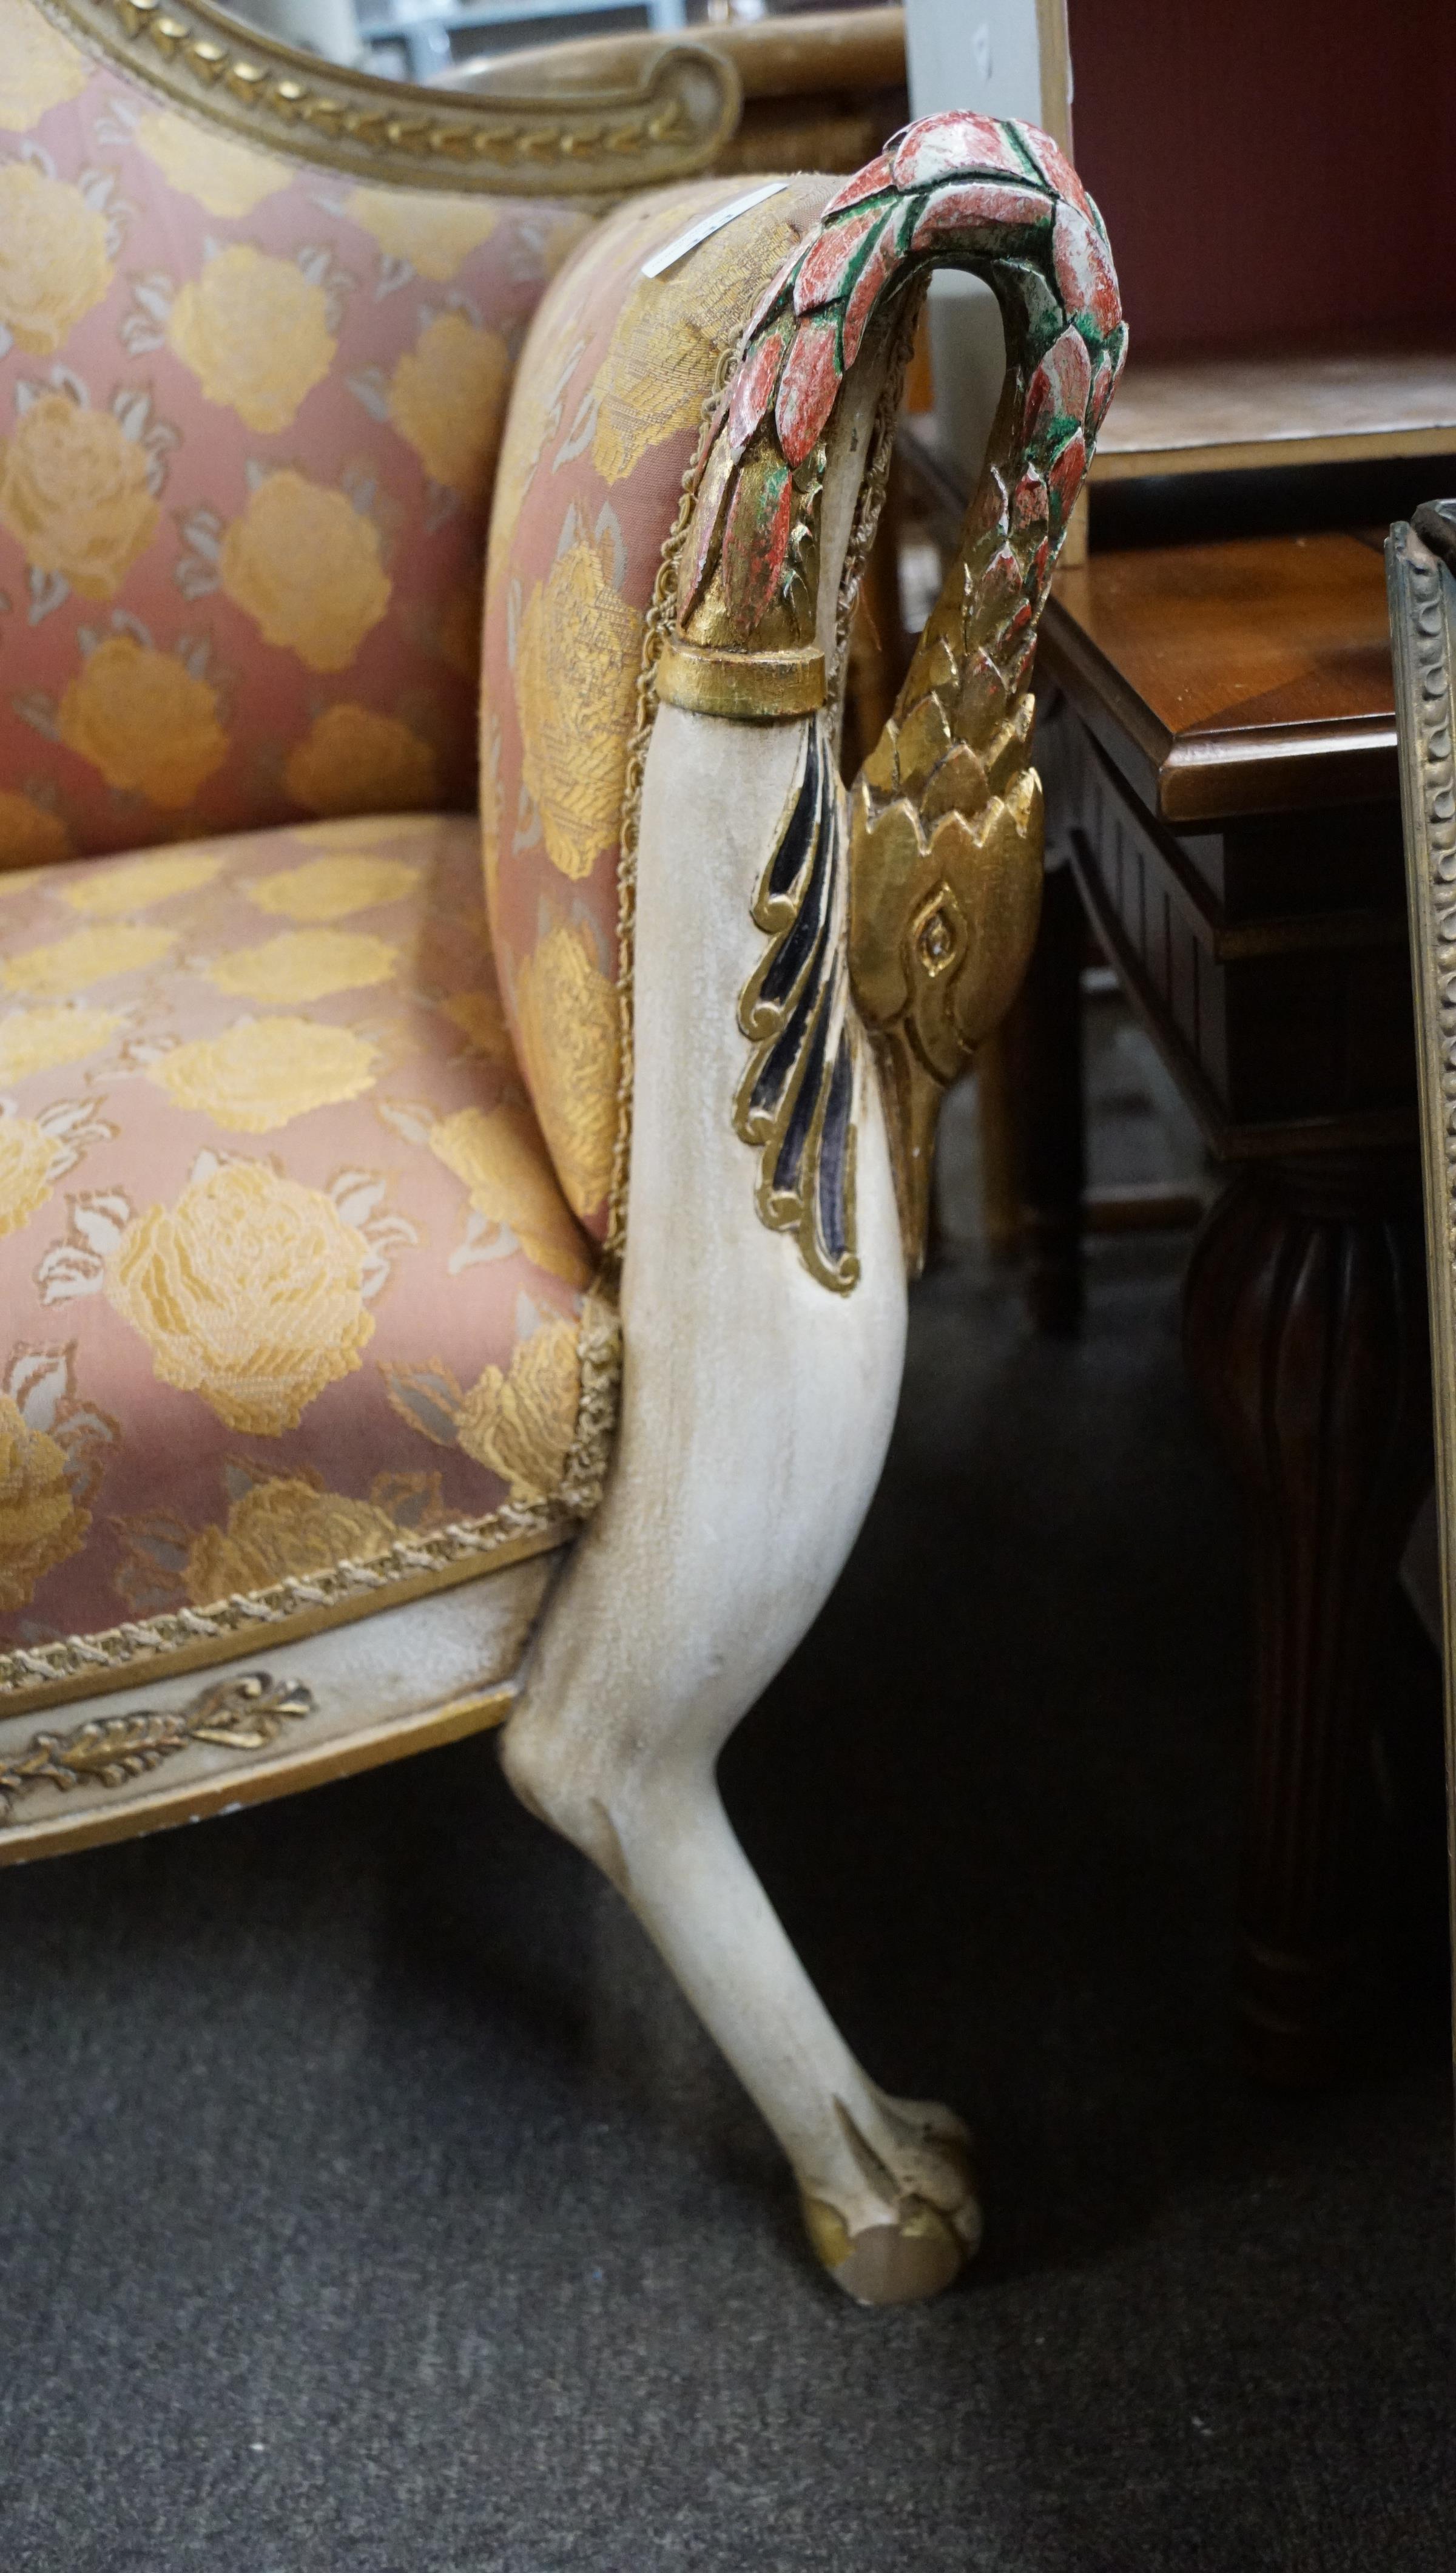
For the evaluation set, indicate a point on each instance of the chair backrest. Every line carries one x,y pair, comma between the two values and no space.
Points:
254,365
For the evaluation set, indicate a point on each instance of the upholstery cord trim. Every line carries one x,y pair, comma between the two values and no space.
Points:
142,1647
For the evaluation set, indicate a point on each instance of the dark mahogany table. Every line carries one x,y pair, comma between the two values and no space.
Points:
1236,834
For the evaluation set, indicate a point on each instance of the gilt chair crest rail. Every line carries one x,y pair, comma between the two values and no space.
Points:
672,122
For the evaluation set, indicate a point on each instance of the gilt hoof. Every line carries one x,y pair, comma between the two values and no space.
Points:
918,2254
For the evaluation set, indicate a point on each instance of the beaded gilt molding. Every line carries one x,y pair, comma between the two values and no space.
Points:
250,85
1421,571
944,859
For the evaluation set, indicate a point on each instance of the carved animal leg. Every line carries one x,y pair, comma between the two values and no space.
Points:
756,1406
639,1681
1305,1330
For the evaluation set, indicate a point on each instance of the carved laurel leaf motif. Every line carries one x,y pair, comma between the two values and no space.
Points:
245,1714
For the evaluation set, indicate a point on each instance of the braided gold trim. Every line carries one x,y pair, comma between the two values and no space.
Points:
147,1648
661,624
197,57
283,1767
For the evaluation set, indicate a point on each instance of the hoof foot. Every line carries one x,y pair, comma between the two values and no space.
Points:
918,2253
931,2225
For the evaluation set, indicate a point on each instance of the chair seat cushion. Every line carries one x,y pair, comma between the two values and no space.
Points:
294,1304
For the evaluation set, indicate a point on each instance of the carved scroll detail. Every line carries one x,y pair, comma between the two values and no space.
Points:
267,92
243,1714
796,1100
945,864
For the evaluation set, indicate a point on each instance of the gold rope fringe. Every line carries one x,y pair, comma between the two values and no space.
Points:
661,622
462,1551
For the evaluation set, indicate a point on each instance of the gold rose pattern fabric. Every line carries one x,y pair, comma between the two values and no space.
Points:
605,419
249,422
287,1275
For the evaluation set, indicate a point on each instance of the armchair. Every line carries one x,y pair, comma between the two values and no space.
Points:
425,1313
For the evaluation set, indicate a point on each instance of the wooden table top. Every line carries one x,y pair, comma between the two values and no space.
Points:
1245,676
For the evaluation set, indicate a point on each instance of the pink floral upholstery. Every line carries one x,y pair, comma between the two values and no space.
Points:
604,419
287,1276
248,418
294,1291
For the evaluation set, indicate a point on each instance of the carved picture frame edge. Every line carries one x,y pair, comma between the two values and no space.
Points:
1416,579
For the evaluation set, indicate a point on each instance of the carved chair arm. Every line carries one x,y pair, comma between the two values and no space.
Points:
944,853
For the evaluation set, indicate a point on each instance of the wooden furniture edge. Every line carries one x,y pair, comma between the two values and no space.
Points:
1252,454
1367,1130
1053,51
1203,776
1235,942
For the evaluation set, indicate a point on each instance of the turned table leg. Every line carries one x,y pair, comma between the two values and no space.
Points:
1306,1330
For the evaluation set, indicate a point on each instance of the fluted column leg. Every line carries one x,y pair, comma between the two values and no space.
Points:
1306,1330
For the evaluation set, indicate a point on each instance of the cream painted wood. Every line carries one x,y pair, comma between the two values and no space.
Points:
383,1685
756,1409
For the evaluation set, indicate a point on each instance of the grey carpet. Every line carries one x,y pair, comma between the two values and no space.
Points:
369,2203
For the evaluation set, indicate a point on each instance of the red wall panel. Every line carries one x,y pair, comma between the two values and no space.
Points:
1270,169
